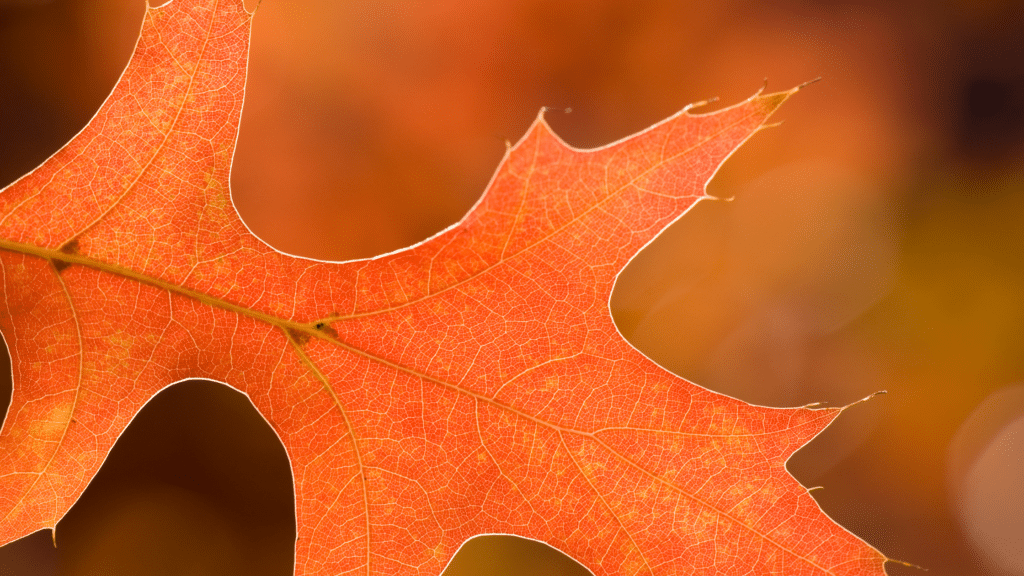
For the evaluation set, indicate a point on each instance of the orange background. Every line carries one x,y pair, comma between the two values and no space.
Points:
875,240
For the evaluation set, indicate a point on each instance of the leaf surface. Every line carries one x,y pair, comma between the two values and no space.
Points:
474,383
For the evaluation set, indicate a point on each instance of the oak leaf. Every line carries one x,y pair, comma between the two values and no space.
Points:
473,383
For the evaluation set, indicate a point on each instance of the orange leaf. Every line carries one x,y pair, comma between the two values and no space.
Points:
473,383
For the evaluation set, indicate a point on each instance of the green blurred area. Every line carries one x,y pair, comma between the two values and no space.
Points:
874,242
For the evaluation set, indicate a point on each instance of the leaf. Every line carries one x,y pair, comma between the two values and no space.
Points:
473,383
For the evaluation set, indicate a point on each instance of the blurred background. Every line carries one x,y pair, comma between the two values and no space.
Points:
874,242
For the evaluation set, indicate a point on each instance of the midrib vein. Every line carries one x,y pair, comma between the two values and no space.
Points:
55,255
289,326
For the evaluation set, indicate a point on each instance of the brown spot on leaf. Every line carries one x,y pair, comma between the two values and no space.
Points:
70,247
298,337
326,329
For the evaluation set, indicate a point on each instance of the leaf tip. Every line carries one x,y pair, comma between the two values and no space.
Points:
806,84
907,564
769,103
542,115
540,128
719,198
864,399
